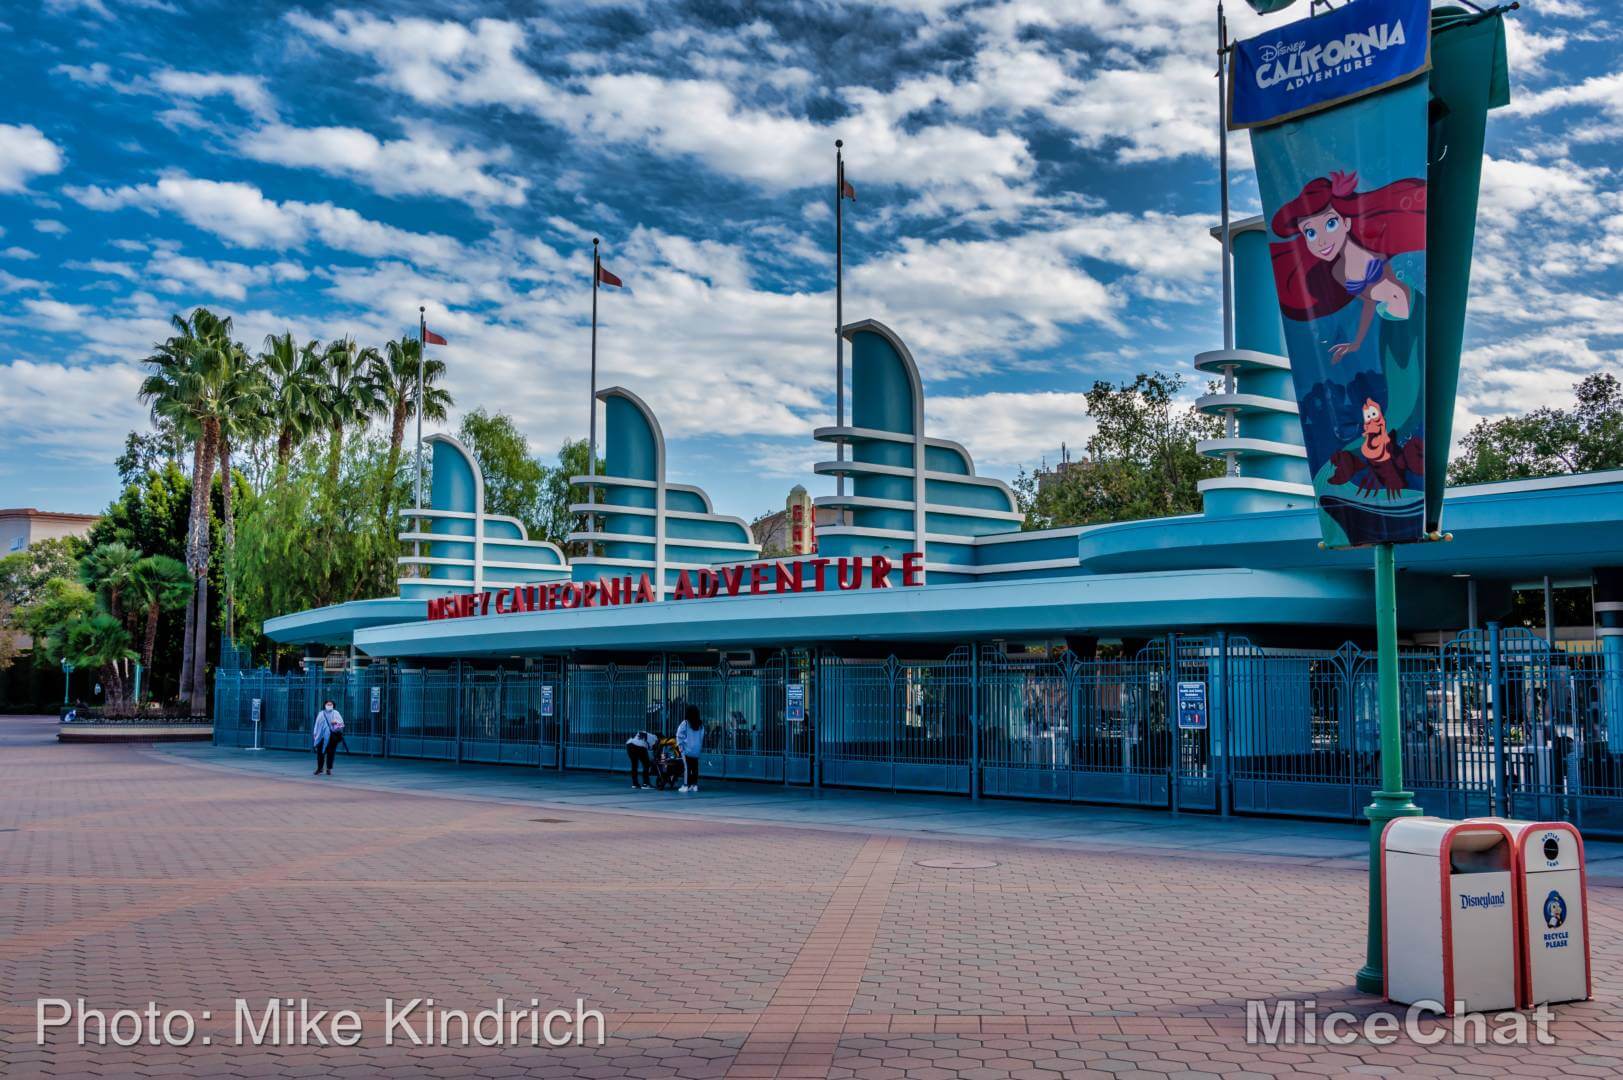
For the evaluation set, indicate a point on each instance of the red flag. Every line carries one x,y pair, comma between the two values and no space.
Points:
431,338
846,190
607,278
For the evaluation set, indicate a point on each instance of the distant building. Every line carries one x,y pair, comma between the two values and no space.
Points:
23,526
1047,477
793,530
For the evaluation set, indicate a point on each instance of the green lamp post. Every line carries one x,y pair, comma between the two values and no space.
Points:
1391,801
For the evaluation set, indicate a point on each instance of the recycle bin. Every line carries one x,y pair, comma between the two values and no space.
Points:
1448,914
1552,902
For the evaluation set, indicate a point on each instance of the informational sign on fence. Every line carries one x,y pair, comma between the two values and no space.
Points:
794,702
253,710
546,701
377,700
1192,706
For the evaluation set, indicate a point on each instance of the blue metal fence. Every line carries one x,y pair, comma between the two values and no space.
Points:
1496,721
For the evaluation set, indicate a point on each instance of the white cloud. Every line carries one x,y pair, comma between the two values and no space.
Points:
95,74
420,164
248,91
449,63
50,227
76,414
1009,429
1604,92
15,252
25,153
242,216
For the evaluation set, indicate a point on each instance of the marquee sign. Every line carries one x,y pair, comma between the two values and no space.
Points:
741,579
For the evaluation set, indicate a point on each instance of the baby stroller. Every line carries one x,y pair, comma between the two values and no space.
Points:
668,768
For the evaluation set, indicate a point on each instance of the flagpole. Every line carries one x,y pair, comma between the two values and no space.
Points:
422,358
591,438
1231,464
839,315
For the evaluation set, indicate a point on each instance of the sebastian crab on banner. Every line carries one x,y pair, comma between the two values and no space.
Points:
1337,107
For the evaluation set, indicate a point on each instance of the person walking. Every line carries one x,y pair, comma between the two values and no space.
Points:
327,733
690,741
640,749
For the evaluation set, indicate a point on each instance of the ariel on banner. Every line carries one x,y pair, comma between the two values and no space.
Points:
1342,174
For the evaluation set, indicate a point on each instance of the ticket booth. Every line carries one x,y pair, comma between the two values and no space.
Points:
1448,914
1552,901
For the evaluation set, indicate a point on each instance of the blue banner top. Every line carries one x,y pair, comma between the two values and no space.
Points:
1327,59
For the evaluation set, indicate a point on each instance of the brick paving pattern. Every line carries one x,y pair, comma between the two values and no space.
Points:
714,949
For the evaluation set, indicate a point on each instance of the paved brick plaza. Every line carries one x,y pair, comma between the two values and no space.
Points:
713,948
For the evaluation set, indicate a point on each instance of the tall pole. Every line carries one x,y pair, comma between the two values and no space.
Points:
1391,801
591,437
1231,464
839,315
422,362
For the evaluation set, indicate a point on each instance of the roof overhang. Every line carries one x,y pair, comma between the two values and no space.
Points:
975,610
338,623
1515,531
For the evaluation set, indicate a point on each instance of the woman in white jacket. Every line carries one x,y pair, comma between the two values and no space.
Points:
690,741
325,734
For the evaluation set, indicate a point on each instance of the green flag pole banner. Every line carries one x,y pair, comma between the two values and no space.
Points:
1338,107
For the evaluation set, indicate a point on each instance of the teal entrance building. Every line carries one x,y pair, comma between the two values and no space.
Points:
1206,663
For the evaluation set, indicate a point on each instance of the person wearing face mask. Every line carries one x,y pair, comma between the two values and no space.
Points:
326,734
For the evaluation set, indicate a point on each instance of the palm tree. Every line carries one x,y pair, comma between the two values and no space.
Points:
162,584
190,371
102,642
109,569
244,397
394,374
348,396
293,378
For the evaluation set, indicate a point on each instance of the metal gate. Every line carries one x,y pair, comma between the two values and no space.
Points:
895,724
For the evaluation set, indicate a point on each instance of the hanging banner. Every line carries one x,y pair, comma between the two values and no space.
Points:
1322,61
1344,194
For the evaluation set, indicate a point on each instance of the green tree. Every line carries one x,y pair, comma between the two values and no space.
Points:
57,605
149,515
108,570
23,575
556,518
145,451
394,374
101,642
514,480
160,584
293,389
191,384
1547,442
349,398
306,543
1141,463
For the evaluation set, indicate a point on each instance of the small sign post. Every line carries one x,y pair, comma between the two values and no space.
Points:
794,702
377,700
254,710
546,701
1192,706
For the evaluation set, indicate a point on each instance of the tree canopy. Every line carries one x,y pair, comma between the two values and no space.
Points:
1141,459
1586,437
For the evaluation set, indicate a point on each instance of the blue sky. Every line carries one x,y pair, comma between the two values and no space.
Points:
1035,178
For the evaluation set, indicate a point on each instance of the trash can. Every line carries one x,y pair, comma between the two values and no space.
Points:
1552,899
1448,920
